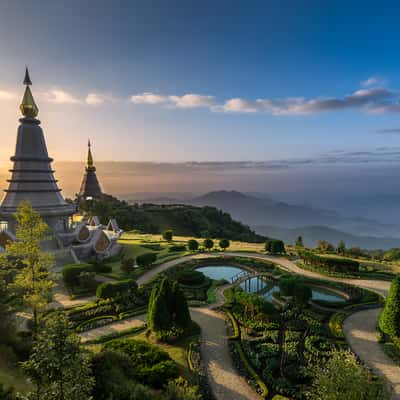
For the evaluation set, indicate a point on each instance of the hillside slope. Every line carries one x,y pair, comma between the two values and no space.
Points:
185,220
312,234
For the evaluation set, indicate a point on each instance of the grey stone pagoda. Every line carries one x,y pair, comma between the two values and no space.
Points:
32,177
90,186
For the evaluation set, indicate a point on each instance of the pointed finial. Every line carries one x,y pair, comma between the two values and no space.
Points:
89,162
27,79
28,106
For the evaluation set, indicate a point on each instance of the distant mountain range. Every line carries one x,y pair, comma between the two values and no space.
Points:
286,221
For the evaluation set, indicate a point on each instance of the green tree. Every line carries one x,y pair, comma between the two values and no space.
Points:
324,247
167,307
341,377
299,241
127,265
208,244
31,264
274,246
58,366
193,245
146,260
341,248
224,244
389,321
168,235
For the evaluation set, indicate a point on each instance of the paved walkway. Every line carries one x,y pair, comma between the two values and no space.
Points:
129,323
225,382
360,332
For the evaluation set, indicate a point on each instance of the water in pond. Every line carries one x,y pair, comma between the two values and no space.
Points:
218,272
227,272
317,294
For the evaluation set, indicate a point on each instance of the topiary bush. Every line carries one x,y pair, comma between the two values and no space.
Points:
168,310
193,245
190,277
145,260
71,273
389,321
334,264
113,290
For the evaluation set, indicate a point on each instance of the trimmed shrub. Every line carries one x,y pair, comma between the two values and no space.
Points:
224,244
100,267
112,290
150,365
146,259
178,247
193,245
274,246
389,321
208,244
71,273
168,235
127,265
190,277
168,309
331,263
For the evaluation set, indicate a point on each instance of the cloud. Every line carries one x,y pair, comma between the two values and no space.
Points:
148,98
59,96
5,95
96,99
240,105
192,100
389,130
373,81
371,99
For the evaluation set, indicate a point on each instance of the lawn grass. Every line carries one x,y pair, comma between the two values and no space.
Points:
134,244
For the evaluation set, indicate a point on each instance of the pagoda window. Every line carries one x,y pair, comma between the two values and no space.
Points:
3,226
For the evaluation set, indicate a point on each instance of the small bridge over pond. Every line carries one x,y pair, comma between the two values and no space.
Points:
249,277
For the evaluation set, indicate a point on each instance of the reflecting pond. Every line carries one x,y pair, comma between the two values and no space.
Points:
266,288
218,272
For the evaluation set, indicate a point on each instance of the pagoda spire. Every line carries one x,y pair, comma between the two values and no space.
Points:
89,162
28,107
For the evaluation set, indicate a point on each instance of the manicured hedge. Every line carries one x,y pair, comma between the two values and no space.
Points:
335,325
111,290
389,321
334,264
71,272
190,277
146,259
235,326
251,370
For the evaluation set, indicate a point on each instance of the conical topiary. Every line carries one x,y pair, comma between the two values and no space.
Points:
389,321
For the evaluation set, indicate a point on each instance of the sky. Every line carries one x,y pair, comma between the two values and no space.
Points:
304,83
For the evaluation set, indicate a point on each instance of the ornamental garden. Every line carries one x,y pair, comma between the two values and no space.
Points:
123,327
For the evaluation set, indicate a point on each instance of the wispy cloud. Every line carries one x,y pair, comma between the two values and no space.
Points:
148,98
374,80
97,99
60,96
389,130
369,99
190,100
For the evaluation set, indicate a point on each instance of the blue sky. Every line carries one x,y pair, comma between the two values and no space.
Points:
209,80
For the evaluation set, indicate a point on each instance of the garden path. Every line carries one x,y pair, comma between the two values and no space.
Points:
129,323
360,331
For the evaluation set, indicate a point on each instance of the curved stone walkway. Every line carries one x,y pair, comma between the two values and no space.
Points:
225,381
360,331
